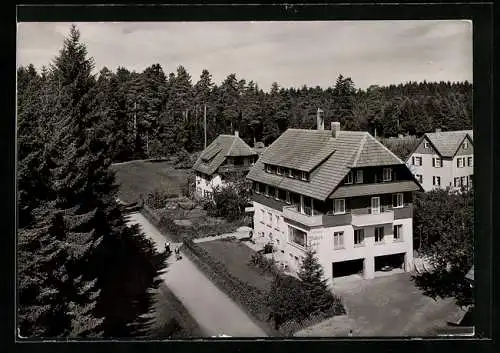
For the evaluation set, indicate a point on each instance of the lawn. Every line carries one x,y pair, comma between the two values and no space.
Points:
138,178
235,256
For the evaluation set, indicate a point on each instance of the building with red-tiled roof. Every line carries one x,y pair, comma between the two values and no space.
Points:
341,192
227,154
443,159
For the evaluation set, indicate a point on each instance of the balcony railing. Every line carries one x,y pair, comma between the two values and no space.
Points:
234,168
292,213
361,220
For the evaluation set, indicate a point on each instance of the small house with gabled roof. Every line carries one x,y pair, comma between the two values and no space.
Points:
341,192
226,155
444,159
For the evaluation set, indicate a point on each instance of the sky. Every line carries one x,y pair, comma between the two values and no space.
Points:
313,53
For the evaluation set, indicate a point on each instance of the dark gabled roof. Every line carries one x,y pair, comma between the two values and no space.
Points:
373,189
327,159
215,154
447,143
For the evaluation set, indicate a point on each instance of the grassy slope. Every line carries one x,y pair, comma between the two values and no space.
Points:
141,177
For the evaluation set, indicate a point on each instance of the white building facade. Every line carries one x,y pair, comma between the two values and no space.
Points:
359,224
443,159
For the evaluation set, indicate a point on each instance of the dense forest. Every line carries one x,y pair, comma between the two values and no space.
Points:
152,114
82,272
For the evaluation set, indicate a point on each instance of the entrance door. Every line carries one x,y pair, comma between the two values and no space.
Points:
375,205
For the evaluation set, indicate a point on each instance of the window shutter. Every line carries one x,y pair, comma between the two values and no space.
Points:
433,162
413,160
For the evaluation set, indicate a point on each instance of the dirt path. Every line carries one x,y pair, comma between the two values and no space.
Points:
214,311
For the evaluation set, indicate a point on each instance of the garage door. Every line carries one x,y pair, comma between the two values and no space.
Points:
347,268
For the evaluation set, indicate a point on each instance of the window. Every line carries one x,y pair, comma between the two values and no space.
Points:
465,145
456,182
419,178
267,190
463,181
397,200
398,232
276,194
359,176
379,234
279,171
436,181
349,178
268,168
461,162
437,162
281,194
288,197
470,180
338,240
418,160
469,161
339,206
257,188
290,173
297,236
413,160
263,215
270,216
271,191
387,176
375,209
426,144
359,236
303,175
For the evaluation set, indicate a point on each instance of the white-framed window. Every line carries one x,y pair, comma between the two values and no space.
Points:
456,181
379,234
398,232
418,160
338,240
279,171
436,180
437,162
426,144
297,236
349,178
469,162
288,197
338,206
375,205
466,144
387,174
290,173
419,178
359,237
463,181
257,188
268,168
359,176
461,162
303,175
397,200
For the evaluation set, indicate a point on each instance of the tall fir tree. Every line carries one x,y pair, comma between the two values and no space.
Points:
78,257
317,296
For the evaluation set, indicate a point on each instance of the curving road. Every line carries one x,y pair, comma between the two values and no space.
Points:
214,311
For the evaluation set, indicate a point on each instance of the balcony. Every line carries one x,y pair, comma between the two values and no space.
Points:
369,219
293,214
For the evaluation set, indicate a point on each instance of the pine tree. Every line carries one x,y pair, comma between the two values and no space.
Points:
93,272
317,297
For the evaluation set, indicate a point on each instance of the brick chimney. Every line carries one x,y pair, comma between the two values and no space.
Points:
320,120
335,128
236,133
